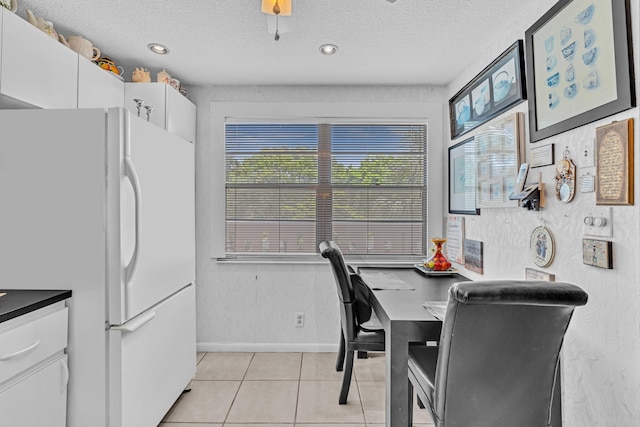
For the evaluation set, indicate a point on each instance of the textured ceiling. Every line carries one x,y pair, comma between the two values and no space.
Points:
215,42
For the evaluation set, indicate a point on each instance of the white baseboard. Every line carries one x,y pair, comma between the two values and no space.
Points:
267,347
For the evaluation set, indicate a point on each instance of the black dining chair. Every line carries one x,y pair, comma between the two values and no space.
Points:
353,336
498,354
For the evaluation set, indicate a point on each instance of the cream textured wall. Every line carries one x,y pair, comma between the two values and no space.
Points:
601,355
251,306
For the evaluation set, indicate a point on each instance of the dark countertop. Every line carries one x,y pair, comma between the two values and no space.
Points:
17,302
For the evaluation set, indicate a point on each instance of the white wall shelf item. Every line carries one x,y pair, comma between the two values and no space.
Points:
172,111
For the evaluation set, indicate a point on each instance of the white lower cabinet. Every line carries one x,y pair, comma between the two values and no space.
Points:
37,399
33,368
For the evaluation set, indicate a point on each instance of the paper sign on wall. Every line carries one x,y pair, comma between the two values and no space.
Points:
455,239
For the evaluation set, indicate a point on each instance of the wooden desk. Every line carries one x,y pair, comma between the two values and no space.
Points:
405,320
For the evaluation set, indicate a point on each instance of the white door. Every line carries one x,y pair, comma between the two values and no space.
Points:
157,218
37,399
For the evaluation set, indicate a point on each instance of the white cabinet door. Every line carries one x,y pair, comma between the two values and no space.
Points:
37,399
36,69
153,95
171,110
98,88
180,115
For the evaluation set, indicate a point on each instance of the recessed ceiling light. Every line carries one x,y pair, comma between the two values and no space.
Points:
158,48
328,49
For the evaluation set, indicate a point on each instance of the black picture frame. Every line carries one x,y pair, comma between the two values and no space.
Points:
574,52
462,178
497,88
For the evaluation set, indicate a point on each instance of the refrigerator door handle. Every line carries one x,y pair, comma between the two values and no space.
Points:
132,176
136,323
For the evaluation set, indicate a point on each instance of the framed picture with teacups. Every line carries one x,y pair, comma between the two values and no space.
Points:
579,65
497,88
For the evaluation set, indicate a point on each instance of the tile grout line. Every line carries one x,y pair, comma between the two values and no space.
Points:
295,413
364,416
238,390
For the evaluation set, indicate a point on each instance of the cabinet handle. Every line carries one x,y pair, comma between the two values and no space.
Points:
19,352
65,375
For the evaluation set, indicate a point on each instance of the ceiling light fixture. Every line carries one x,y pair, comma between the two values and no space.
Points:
158,48
328,49
277,8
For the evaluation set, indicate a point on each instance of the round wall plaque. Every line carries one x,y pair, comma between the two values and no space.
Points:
542,246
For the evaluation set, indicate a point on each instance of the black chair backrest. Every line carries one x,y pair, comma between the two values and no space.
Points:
332,252
499,347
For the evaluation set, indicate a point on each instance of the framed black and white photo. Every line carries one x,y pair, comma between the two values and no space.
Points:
579,65
498,87
462,178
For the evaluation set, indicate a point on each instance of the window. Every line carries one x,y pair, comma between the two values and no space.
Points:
291,185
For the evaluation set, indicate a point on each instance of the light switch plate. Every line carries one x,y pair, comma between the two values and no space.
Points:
587,154
593,217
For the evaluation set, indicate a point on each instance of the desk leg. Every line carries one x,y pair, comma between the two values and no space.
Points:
397,379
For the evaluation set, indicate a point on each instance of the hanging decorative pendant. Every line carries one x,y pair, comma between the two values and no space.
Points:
565,178
542,246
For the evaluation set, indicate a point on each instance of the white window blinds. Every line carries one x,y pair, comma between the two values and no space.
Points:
290,186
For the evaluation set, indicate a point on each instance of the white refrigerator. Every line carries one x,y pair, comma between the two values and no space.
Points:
101,202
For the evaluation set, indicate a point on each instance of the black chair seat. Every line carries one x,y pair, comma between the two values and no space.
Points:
370,338
422,369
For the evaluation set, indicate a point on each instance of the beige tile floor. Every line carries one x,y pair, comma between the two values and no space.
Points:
282,390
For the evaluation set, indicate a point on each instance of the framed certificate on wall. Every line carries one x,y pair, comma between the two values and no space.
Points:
614,163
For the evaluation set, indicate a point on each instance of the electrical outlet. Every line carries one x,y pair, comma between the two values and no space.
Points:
299,320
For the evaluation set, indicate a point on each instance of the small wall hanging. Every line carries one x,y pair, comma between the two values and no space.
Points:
542,246
597,253
565,178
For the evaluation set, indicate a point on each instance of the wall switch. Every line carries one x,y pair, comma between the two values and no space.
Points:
587,154
299,320
597,222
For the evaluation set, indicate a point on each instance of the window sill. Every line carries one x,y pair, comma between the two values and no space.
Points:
360,261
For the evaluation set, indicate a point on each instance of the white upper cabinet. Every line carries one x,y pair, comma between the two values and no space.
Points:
35,69
171,110
98,88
